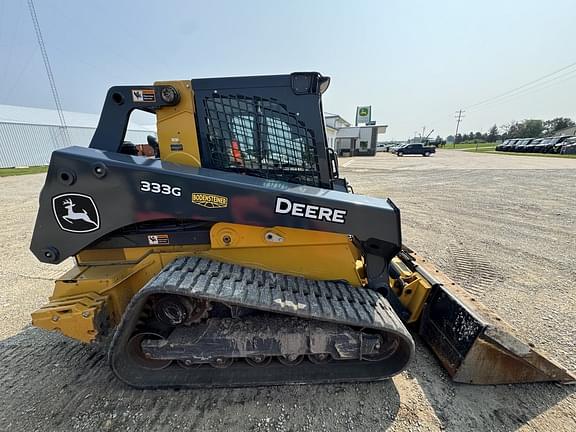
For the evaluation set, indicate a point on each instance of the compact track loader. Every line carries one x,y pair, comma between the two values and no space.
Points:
238,256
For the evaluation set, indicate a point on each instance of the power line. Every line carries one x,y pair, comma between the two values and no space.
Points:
64,128
522,86
529,90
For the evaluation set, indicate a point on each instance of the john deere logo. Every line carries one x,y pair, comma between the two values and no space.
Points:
76,213
209,200
363,111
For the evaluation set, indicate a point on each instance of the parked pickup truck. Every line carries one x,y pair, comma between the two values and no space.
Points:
414,148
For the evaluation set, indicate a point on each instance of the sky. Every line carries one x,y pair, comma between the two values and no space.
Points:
415,62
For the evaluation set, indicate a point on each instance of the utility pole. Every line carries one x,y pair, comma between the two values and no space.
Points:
458,117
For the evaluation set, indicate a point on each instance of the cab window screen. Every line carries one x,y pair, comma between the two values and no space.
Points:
259,137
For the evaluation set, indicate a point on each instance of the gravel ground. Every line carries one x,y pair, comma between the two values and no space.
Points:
501,226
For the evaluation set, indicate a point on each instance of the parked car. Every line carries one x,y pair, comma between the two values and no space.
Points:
381,147
534,145
511,143
415,149
559,144
531,147
521,145
544,146
385,147
503,144
569,146
547,144
395,148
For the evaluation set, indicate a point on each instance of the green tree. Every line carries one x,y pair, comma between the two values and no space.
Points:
559,123
492,134
512,130
532,128
524,129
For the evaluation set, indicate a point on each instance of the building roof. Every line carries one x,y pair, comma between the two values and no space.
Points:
566,131
43,116
331,115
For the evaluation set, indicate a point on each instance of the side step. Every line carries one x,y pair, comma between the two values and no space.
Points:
473,343
234,286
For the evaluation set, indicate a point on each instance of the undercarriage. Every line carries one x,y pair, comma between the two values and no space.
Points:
203,323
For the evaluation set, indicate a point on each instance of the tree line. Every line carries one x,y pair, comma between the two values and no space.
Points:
524,129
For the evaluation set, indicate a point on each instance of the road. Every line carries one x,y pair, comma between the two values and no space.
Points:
502,226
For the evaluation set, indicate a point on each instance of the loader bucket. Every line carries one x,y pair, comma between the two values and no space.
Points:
474,344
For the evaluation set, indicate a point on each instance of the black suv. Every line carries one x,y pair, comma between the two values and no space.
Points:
559,143
531,147
500,147
521,145
509,144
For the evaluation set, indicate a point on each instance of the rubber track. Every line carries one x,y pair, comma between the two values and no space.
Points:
332,301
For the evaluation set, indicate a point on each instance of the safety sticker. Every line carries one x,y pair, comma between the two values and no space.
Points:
158,239
144,95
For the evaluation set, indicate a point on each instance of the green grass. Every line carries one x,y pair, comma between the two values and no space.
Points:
469,145
5,172
483,149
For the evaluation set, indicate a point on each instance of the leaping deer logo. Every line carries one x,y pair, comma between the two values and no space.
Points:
72,215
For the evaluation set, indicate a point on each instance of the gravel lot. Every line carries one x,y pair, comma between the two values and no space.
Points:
502,226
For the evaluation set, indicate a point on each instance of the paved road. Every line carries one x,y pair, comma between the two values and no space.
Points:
502,226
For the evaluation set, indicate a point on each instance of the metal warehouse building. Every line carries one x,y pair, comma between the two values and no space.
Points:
29,135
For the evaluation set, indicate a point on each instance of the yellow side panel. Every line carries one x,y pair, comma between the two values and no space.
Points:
297,252
176,127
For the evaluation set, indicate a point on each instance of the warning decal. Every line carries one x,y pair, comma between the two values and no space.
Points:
144,95
158,239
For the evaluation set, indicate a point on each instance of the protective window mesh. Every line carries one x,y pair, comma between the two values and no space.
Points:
260,137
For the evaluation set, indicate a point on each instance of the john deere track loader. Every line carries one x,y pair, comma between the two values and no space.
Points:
238,256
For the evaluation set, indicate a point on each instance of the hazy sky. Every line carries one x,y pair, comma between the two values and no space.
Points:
415,62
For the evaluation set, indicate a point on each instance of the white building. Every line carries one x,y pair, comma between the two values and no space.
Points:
567,131
358,140
333,122
29,135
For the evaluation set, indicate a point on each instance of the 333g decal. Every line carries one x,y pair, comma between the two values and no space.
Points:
160,188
